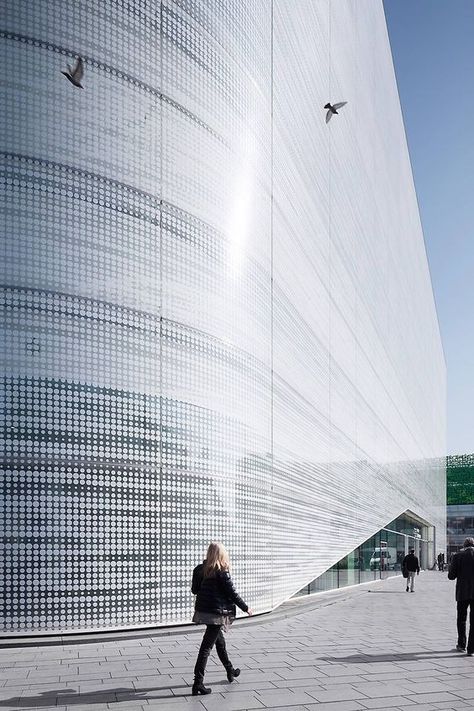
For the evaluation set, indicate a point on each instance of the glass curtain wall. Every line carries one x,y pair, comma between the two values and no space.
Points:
379,557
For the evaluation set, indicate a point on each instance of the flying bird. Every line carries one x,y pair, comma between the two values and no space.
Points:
332,109
75,75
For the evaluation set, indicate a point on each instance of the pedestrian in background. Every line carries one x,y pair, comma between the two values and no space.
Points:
412,567
461,569
216,598
440,561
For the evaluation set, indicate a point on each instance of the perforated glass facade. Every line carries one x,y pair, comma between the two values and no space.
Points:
219,315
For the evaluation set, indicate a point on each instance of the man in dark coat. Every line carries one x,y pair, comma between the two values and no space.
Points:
462,570
411,565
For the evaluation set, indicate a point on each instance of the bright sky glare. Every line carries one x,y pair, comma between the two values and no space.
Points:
433,53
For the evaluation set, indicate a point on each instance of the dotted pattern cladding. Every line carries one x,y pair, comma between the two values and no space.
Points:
218,310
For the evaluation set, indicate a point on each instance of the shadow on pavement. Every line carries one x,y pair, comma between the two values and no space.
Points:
70,697
394,657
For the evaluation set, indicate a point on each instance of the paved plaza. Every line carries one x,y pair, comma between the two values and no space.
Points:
371,647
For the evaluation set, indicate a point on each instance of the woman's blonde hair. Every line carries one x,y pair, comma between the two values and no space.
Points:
217,558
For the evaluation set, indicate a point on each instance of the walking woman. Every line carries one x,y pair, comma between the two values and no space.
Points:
216,599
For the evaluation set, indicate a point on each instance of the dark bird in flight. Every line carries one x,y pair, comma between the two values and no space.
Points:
332,109
75,75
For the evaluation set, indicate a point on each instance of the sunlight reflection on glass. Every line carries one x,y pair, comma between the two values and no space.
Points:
241,207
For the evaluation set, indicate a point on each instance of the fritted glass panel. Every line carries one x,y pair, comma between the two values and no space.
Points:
219,321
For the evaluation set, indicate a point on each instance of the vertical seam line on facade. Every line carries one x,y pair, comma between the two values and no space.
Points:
160,340
329,254
272,403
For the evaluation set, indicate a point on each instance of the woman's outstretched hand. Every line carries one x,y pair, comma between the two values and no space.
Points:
250,613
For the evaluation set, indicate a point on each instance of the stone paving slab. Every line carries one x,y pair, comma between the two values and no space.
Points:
335,706
384,702
381,649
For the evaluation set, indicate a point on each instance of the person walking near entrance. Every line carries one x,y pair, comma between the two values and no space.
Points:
216,598
440,561
461,569
412,566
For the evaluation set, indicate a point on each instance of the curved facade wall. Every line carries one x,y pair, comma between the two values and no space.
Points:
219,314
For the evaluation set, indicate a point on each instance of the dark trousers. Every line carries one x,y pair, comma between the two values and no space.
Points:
463,606
212,636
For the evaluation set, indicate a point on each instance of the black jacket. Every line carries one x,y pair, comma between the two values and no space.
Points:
462,570
215,594
411,563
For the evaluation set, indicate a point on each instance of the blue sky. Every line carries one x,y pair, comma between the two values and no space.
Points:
433,52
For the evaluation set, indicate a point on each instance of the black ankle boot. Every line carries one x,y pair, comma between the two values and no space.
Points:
232,674
199,688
